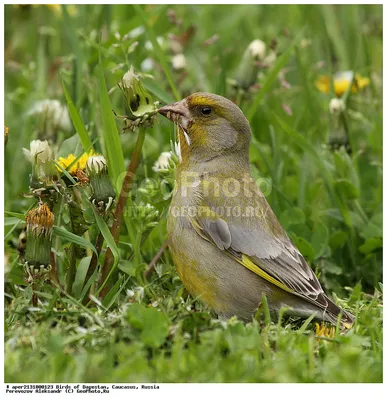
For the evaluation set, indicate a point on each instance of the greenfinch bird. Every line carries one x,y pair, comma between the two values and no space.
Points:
228,247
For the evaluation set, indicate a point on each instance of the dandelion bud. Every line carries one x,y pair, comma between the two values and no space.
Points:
248,69
103,190
39,221
338,136
179,62
44,172
147,215
336,106
257,49
139,103
162,163
53,117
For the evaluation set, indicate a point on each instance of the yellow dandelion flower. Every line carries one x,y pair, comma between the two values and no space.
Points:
325,331
341,81
68,163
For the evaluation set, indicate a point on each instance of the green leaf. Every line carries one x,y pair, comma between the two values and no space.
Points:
346,189
319,239
306,323
266,311
111,136
110,242
292,216
9,233
15,274
80,276
371,245
337,239
11,221
66,173
152,324
88,284
327,266
155,89
305,248
356,293
107,235
374,227
71,237
127,266
77,120
16,215
71,31
114,292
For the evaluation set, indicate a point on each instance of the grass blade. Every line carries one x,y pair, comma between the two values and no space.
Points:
155,89
71,237
70,30
111,136
109,239
80,276
16,215
114,292
306,323
77,120
88,284
11,221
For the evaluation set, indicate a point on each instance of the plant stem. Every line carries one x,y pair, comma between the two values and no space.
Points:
77,227
93,265
71,270
54,271
156,258
125,190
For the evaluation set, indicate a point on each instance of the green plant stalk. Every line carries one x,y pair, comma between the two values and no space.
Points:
71,270
54,270
156,258
70,30
124,194
41,64
76,228
93,265
77,121
58,208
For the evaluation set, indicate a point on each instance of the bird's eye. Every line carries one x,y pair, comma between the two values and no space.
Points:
206,110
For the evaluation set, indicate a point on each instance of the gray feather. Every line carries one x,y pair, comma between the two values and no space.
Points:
219,232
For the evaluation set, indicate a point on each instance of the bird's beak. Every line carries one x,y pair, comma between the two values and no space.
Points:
178,113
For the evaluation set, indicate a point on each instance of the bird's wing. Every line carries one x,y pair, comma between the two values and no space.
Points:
259,243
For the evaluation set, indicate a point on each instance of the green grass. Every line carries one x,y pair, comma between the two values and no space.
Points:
151,330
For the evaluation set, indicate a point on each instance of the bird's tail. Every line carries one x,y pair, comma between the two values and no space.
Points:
332,312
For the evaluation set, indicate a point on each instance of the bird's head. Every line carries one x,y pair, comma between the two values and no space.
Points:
209,125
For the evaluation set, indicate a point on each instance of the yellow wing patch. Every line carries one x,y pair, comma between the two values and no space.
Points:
246,262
